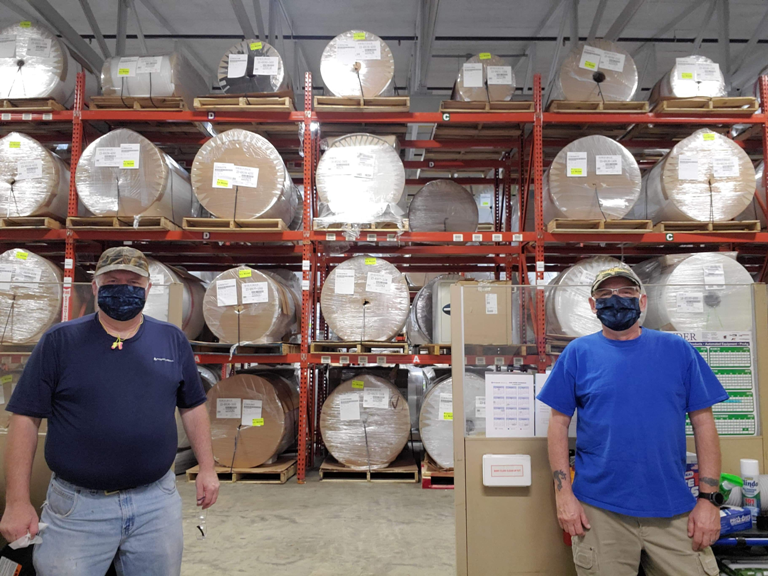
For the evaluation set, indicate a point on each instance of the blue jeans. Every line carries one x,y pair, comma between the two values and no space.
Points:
140,529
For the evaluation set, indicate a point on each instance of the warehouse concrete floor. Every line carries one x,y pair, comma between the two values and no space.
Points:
321,529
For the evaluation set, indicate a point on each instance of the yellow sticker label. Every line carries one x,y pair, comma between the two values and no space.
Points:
13,144
686,76
358,384
129,163
22,255
590,65
258,422
485,55
6,379
447,415
359,36
220,182
576,171
255,45
25,24
370,261
246,273
709,136
123,71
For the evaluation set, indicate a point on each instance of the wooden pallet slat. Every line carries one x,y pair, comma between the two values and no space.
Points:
744,226
577,106
363,227
277,473
562,225
146,223
700,106
238,225
435,478
30,223
456,106
164,103
263,102
30,105
378,104
336,347
267,349
402,470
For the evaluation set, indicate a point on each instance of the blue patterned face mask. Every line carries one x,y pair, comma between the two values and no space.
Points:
121,301
618,313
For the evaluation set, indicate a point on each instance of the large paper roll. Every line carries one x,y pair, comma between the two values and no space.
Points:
365,299
33,181
252,66
34,63
420,327
485,78
240,175
158,302
209,378
443,206
706,177
253,419
591,178
484,198
243,305
704,291
365,422
754,211
576,78
436,430
151,184
358,63
691,76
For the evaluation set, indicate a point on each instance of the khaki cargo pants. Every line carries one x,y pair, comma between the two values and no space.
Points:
617,544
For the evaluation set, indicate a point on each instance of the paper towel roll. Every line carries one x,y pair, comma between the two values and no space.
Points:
420,317
158,303
355,62
264,69
686,80
365,422
494,85
443,206
753,211
575,80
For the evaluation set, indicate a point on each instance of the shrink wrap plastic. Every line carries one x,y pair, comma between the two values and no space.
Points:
360,179
175,76
266,58
706,177
419,279
33,181
419,327
158,187
605,186
567,302
703,291
158,303
365,299
209,378
365,422
682,81
253,419
243,305
8,382
271,194
436,430
443,206
493,88
483,194
753,211
46,71
358,63
575,82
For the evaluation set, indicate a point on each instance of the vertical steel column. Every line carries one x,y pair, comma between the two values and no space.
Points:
496,200
538,171
764,105
507,217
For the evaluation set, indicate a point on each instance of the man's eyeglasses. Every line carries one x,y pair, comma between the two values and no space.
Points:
624,292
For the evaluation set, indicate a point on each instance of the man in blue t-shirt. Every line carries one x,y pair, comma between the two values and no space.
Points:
629,503
109,384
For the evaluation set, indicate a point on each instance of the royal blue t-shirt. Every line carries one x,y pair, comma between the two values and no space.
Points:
632,397
111,413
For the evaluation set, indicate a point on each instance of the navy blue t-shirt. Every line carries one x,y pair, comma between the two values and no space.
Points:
632,397
111,413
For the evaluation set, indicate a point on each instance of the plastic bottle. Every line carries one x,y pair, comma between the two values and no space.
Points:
750,474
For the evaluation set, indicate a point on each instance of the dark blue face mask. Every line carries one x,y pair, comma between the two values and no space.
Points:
618,313
121,301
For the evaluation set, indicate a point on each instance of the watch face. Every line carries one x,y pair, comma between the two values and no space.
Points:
718,498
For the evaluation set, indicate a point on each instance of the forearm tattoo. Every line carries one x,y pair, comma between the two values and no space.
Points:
559,476
709,481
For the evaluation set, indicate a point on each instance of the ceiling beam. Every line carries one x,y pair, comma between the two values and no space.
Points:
19,10
703,27
297,46
670,26
623,20
750,46
596,20
139,31
122,27
574,24
271,21
95,28
724,21
259,20
242,19
556,56
427,18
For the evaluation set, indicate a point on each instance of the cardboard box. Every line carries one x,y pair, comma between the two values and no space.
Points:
489,304
734,519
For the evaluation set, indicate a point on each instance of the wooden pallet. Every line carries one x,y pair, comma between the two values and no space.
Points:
576,106
146,223
699,106
30,105
486,228
364,227
225,225
378,104
402,470
432,349
745,226
433,477
455,106
30,223
164,103
269,349
277,473
564,226
357,347
246,103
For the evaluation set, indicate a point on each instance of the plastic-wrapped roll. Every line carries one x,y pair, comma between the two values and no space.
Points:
33,181
243,305
34,63
365,422
209,378
365,299
484,78
162,276
419,279
436,430
253,419
253,66
568,309
157,76
483,194
7,384
359,177
687,79
240,175
420,317
753,211
357,61
576,80
706,177
704,291
443,206
151,184
591,178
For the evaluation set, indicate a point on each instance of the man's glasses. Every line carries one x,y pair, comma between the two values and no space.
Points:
624,292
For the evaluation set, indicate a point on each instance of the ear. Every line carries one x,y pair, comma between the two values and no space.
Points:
94,287
592,305
643,302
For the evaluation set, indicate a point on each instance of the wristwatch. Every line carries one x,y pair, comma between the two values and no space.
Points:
715,498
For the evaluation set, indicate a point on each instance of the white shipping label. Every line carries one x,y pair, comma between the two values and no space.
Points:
367,50
485,200
251,412
607,164
688,167
228,408
237,65
246,176
612,61
590,58
108,157
130,156
499,75
158,282
576,165
7,46
445,410
226,292
345,51
479,406
378,282
473,75
149,64
349,406
685,69
266,65
491,303
27,276
365,167
126,67
725,167
27,169
223,175
342,166
345,282
39,47
690,302
714,276
376,398
255,293
708,72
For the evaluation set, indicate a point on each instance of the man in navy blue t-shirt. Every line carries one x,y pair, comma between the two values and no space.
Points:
109,384
629,503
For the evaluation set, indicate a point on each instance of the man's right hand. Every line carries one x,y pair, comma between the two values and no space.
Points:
17,520
570,514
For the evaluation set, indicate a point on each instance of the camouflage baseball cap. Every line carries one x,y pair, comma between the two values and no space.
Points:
615,272
123,258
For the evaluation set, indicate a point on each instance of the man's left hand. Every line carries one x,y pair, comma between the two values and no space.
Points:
704,524
207,484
